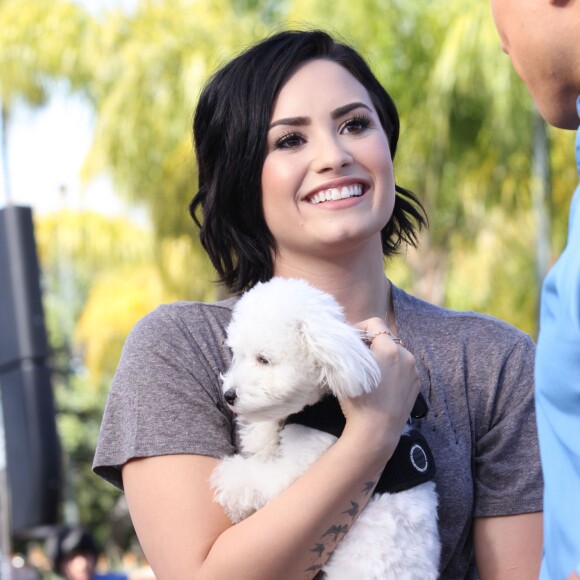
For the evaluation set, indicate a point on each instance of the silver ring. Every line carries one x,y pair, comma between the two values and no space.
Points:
395,339
368,340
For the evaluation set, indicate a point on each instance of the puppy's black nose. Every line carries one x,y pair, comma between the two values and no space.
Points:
230,396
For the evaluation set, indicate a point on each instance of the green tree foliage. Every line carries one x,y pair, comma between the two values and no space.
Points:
479,172
472,137
100,270
74,248
40,42
564,180
147,76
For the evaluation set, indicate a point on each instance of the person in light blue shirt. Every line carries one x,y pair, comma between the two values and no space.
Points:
542,38
558,402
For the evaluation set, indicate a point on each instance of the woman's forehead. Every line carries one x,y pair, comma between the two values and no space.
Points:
318,84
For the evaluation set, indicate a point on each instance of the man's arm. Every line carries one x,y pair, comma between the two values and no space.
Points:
508,547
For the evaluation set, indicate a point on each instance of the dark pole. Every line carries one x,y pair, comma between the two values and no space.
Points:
31,441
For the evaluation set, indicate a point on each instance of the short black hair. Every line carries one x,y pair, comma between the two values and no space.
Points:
230,130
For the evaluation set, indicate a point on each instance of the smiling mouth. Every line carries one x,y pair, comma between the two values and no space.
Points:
336,193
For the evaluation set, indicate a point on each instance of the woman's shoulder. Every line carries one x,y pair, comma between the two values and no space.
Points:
186,311
428,322
188,319
182,337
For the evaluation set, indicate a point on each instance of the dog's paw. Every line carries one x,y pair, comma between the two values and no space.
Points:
235,488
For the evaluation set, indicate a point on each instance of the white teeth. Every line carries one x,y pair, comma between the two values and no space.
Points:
335,193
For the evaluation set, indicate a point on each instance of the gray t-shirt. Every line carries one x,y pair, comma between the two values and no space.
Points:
476,375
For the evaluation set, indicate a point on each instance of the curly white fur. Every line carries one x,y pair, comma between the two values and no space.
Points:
291,345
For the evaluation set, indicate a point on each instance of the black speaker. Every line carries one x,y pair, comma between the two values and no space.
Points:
31,441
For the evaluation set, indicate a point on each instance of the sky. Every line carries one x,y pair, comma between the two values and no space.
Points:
46,149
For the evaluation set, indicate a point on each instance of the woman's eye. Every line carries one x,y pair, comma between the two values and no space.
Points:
356,125
289,141
261,359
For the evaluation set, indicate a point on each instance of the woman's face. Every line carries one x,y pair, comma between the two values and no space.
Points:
327,180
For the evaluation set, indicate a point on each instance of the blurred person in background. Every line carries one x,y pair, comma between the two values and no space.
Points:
74,554
542,38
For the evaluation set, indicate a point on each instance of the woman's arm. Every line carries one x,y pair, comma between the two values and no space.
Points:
185,534
508,547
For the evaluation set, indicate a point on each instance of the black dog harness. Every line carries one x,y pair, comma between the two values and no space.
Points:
412,462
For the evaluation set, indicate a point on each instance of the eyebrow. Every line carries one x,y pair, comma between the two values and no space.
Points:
336,114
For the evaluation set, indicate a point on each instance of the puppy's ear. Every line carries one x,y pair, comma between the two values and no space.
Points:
346,364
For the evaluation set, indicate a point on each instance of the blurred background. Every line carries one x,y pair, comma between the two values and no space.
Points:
96,106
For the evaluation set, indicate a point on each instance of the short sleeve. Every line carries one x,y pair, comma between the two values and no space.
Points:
508,478
165,397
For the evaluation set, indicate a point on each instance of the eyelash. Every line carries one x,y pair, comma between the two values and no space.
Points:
362,120
284,142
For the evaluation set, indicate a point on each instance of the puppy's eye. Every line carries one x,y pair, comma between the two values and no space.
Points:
261,359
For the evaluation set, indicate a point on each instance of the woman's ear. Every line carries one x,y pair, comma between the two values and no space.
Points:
345,363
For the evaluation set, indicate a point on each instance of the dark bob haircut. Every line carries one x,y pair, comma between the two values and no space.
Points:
230,131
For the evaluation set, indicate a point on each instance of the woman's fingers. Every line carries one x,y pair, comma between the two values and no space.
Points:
374,328
389,405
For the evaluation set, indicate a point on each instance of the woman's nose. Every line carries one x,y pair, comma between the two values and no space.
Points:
331,154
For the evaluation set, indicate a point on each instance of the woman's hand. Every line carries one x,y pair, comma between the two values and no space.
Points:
380,415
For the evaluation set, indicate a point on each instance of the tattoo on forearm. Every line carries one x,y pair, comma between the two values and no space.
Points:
324,549
335,531
369,486
353,511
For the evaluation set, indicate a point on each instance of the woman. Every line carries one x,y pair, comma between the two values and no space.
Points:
295,140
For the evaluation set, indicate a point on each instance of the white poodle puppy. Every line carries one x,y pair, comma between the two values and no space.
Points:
292,346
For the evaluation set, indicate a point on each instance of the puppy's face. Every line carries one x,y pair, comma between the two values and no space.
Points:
272,374
291,345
